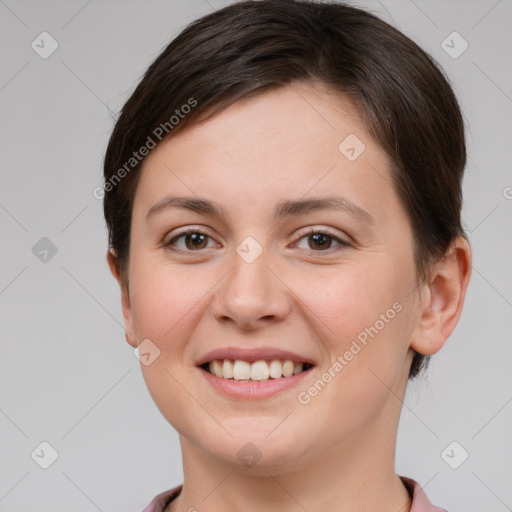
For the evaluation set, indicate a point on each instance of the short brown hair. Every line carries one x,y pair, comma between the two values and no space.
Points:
246,48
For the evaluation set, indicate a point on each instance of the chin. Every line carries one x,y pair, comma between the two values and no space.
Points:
253,450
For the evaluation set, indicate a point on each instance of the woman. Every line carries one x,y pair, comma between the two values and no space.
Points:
283,198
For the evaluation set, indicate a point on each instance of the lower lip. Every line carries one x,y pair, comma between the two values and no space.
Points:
250,389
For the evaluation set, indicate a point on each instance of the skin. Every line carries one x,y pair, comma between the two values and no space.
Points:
336,453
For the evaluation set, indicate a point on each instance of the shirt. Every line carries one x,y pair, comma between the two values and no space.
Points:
420,502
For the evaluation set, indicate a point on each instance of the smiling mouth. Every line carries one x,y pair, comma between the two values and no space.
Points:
262,370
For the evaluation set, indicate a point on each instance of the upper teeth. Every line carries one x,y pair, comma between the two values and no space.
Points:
259,370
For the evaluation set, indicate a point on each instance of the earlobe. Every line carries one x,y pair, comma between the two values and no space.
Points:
125,299
443,299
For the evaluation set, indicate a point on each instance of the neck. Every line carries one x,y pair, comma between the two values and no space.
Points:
358,475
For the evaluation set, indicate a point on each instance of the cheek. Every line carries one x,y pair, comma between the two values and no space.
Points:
165,301
346,300
167,304
364,329
367,360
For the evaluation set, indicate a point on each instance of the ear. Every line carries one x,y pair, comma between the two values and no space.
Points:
125,299
443,298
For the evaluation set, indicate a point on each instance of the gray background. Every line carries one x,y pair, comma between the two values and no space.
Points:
68,377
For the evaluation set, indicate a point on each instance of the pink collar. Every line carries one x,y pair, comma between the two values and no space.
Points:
420,502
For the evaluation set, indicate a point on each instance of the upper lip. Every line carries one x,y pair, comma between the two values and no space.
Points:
252,354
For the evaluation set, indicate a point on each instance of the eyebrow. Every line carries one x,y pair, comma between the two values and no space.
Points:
282,209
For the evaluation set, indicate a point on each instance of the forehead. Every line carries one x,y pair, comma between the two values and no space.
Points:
278,119
284,143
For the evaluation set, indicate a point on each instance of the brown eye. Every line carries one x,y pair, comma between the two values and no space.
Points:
193,240
322,241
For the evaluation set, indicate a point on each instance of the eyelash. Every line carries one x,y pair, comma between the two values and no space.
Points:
320,231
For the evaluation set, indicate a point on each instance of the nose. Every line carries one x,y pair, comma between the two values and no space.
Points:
252,295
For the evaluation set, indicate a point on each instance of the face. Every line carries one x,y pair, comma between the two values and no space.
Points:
333,285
